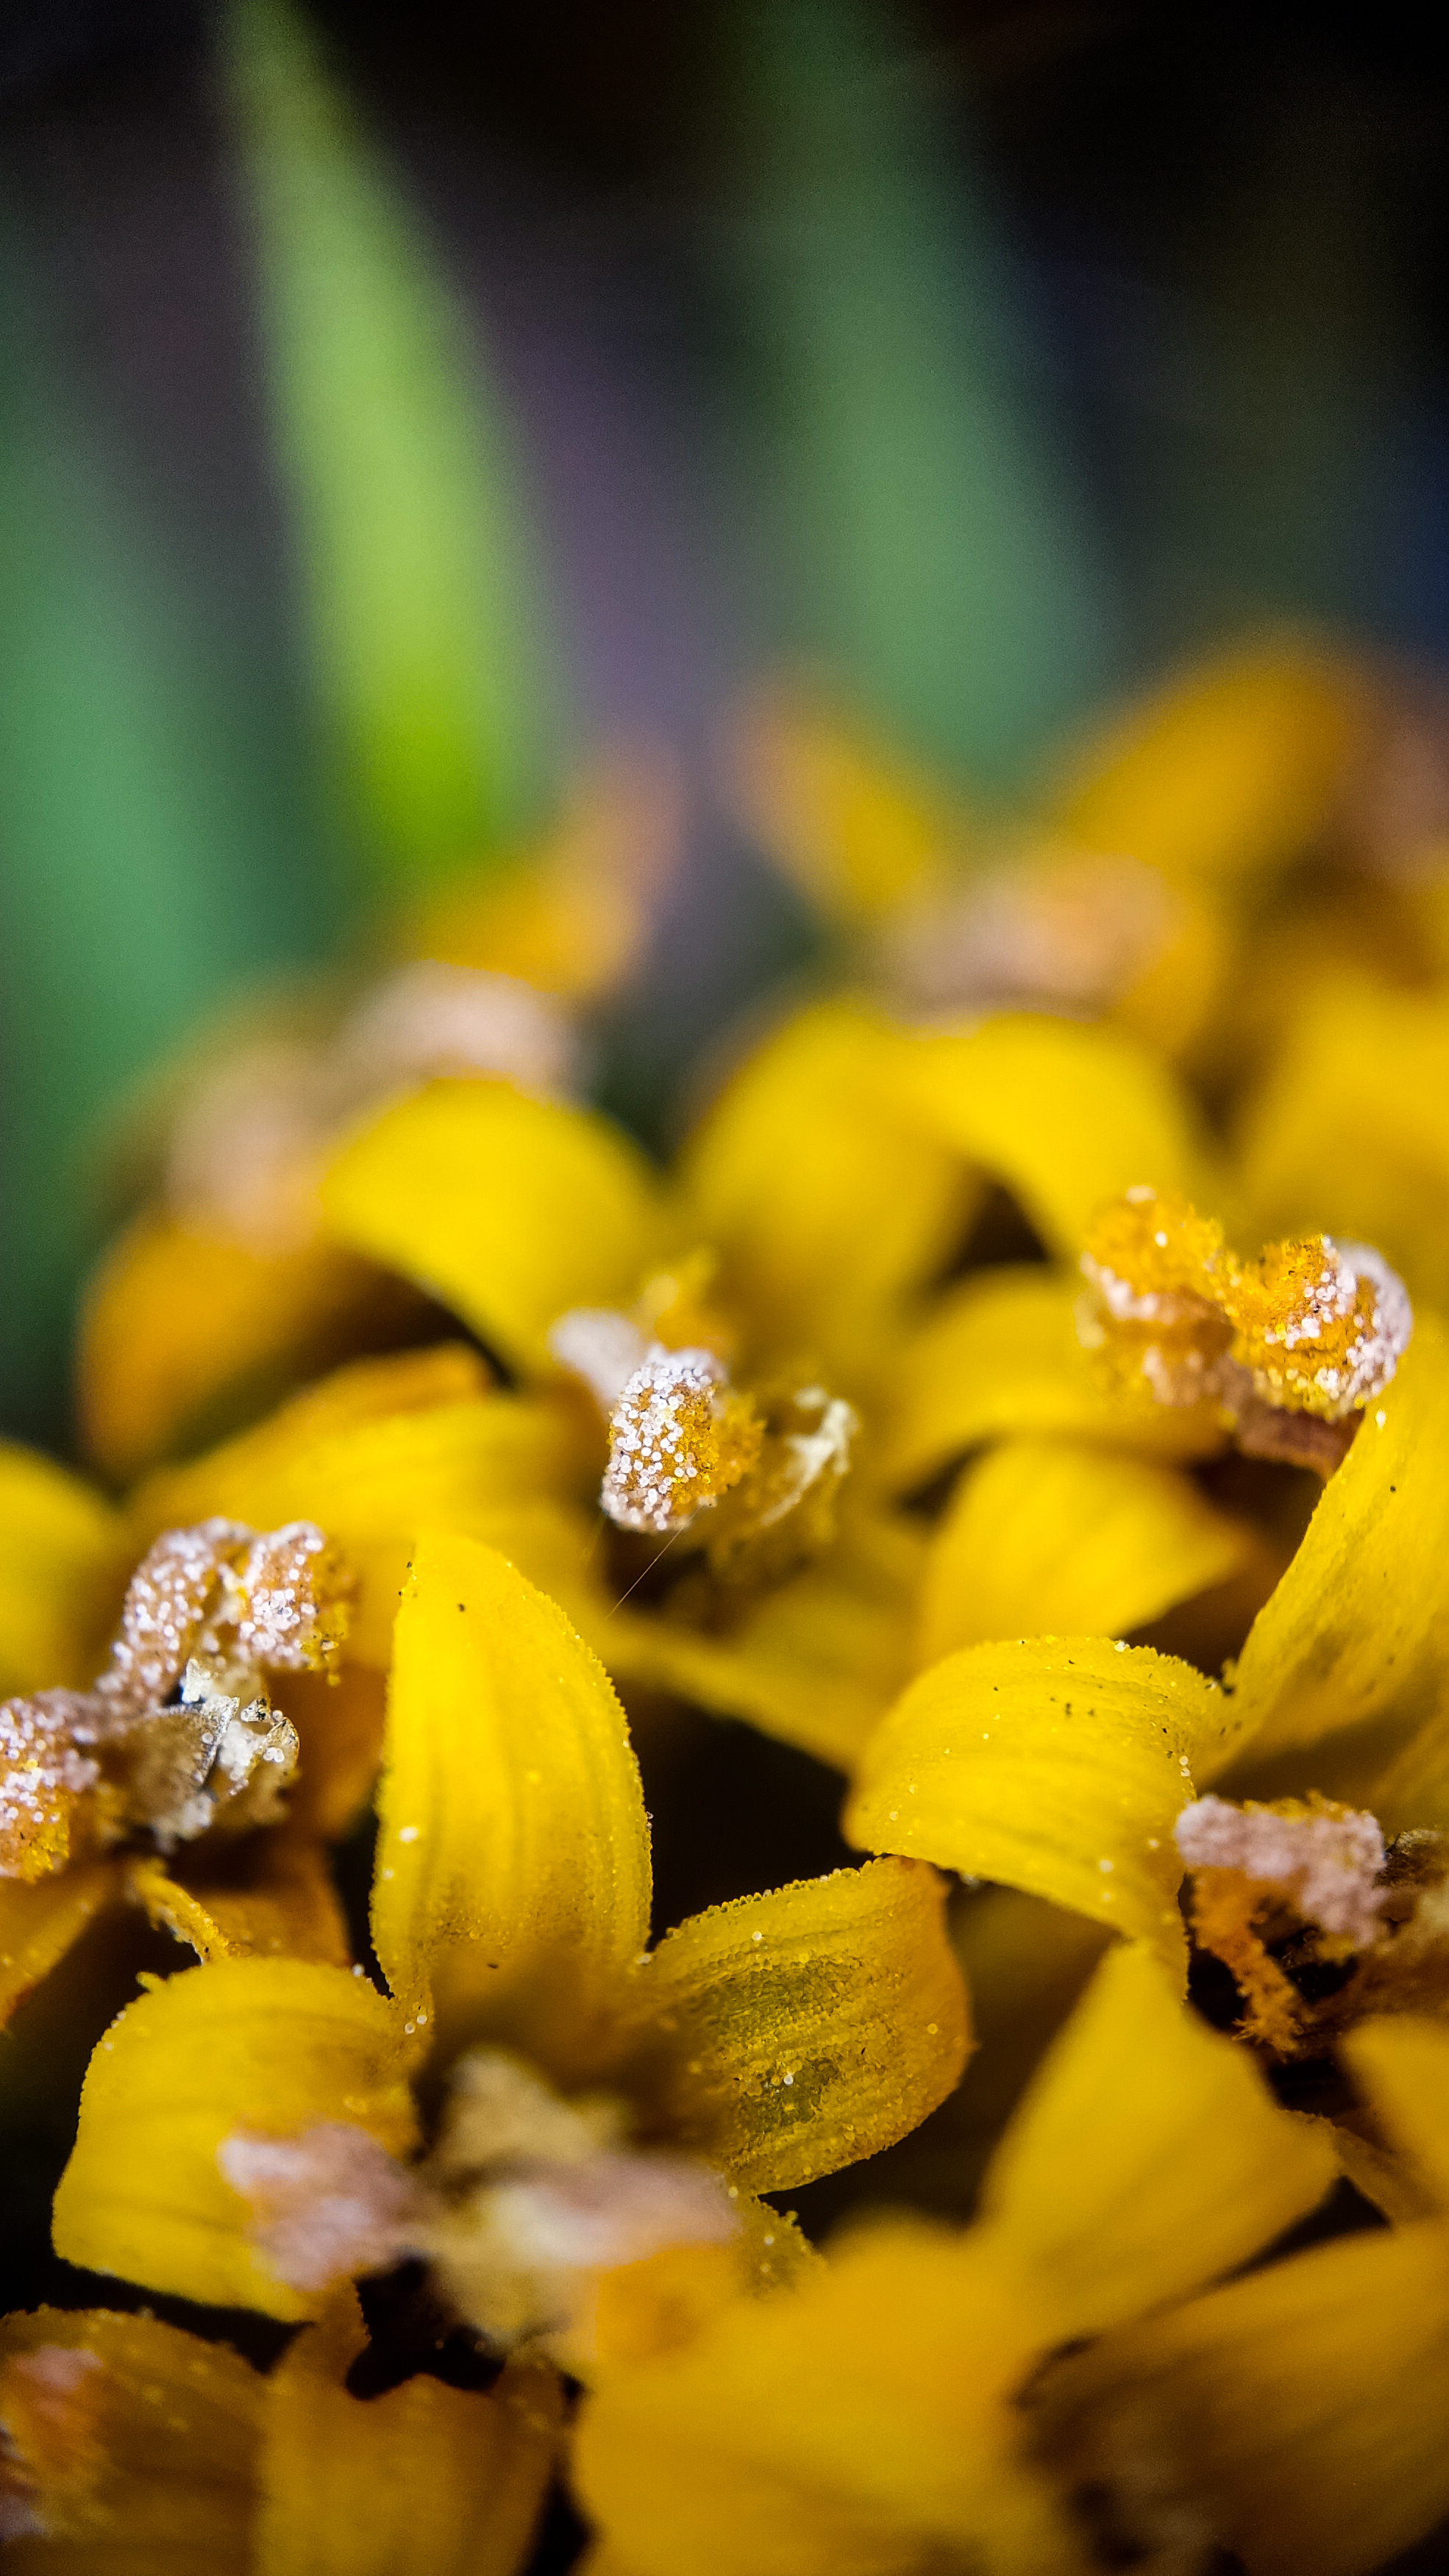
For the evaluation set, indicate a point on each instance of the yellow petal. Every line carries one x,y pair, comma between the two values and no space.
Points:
570,915
509,1209
1295,2418
863,2426
449,1455
1356,1631
857,832
40,1922
63,1565
140,2456
826,1197
816,1663
811,2026
339,1721
1402,2068
1226,771
180,1328
264,2043
513,1850
1058,1766
1346,1131
275,1900
430,2479
1147,2157
1000,1355
1051,1535
1067,1115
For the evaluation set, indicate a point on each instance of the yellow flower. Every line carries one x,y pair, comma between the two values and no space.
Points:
129,2442
777,2037
773,1284
175,1747
224,1291
372,1454
882,2415
1063,1765
1295,2418
1143,887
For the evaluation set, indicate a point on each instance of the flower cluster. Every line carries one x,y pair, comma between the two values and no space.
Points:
1018,1426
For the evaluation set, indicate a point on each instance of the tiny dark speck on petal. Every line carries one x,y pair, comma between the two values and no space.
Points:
462,1605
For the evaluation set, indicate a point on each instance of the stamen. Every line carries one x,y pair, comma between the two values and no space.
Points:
325,2205
178,1733
679,1437
1309,1332
783,1512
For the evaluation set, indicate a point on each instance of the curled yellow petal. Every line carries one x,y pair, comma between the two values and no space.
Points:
275,1899
1000,1356
271,2044
827,1198
1066,1114
1058,1766
1225,771
567,916
1056,1536
854,829
508,1208
1294,2420
129,2445
864,2423
1356,1630
811,2026
1148,2156
513,1851
63,1563
1402,2067
181,1328
1346,1129
442,2480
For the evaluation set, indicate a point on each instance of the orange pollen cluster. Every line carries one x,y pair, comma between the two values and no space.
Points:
1311,1327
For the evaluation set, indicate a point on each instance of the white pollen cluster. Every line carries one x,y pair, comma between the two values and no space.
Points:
1383,1337
1329,1865
657,1436
42,1775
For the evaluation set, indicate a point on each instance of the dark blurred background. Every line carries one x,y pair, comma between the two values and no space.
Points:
396,406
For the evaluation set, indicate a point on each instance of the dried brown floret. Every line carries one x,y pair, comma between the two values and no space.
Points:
1261,1871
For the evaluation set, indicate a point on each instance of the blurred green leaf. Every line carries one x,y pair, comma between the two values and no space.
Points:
154,830
948,568
424,592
